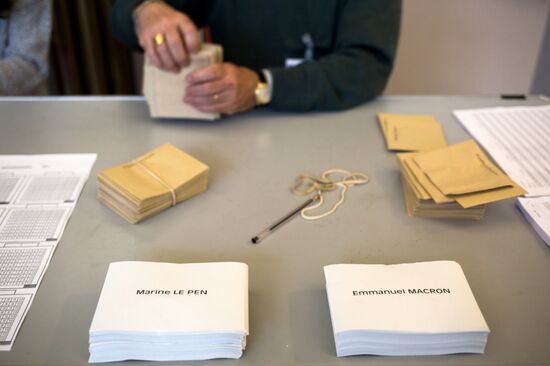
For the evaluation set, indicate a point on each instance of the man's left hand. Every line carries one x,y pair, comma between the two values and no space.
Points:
222,88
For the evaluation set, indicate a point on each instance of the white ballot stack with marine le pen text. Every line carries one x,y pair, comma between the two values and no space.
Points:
169,312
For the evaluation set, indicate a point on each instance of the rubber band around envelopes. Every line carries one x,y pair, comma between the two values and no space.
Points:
157,178
306,184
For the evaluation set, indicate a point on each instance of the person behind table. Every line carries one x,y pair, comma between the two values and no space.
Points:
289,54
25,31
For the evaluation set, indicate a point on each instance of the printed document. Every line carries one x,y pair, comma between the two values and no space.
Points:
518,138
37,196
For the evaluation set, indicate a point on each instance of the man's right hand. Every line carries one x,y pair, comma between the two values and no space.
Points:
178,35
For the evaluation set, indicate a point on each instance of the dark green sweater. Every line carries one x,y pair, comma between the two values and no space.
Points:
355,42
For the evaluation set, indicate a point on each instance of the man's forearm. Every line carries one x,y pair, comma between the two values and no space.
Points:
357,69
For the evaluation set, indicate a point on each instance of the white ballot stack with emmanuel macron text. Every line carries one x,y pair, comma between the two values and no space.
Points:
405,309
169,312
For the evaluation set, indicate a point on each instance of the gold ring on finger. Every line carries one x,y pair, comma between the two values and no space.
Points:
215,97
159,39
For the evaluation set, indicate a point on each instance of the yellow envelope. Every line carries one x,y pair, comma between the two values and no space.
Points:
428,208
480,198
461,168
405,132
172,167
409,196
419,191
424,181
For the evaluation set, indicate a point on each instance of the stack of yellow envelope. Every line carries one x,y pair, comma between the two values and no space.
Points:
409,132
456,181
151,183
164,90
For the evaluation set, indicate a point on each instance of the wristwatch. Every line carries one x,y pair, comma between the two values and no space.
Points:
263,90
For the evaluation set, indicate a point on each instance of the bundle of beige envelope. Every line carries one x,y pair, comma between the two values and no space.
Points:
455,181
164,91
151,183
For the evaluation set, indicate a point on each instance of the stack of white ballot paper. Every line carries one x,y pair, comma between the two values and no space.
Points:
168,312
164,90
403,309
537,212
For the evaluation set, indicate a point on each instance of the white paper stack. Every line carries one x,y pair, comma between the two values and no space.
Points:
403,309
164,90
537,212
167,312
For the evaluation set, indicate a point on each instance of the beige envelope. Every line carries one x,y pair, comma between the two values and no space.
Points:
508,188
430,209
405,132
480,198
172,166
424,181
461,168
419,191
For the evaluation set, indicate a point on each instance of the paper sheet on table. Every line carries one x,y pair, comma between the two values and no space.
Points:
38,194
409,132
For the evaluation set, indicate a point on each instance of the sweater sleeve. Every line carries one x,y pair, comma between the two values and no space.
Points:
24,65
122,21
357,70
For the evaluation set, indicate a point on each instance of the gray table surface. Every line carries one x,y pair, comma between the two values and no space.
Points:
254,158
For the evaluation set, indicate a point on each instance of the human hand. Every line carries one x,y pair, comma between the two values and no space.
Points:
222,88
178,35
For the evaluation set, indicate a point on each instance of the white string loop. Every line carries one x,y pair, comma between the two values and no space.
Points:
306,184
